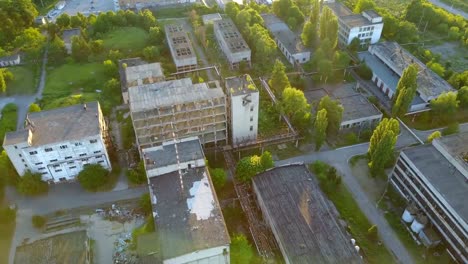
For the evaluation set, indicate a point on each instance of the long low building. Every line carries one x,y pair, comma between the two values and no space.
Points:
388,60
181,48
433,179
189,223
58,143
304,222
231,42
288,42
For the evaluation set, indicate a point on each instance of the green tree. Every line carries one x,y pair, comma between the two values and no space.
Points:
80,49
434,135
309,34
93,176
115,56
279,80
458,80
295,106
462,96
34,108
3,86
363,5
329,26
241,250
334,114
232,9
266,160
151,53
296,13
315,12
354,45
63,21
248,167
97,46
32,184
218,176
155,36
437,68
78,21
17,15
405,91
325,69
147,19
321,123
445,106
110,68
30,40
364,71
382,144
57,51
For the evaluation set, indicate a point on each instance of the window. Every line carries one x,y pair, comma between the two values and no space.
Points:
26,165
44,173
101,161
72,167
82,154
56,166
251,128
54,160
78,144
41,168
16,147
251,118
39,163
70,162
93,141
63,147
251,109
48,149
98,151
22,160
59,170
84,160
68,157
32,152
20,155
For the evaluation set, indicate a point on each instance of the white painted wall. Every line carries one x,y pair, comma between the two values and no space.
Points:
361,121
244,117
215,255
364,33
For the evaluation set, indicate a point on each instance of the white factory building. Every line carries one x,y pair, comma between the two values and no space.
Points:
58,143
367,26
243,97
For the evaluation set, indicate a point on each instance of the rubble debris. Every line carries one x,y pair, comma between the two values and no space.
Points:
122,254
119,214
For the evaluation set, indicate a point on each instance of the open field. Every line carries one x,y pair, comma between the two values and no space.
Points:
64,248
128,40
6,231
453,53
23,82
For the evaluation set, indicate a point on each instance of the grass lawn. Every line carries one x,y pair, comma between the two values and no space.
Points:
8,120
6,230
424,121
23,82
127,39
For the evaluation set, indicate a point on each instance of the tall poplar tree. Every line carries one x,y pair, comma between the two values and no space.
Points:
382,144
405,91
321,123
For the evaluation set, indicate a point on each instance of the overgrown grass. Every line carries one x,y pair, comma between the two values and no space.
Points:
7,230
23,82
425,121
172,12
8,120
357,222
128,40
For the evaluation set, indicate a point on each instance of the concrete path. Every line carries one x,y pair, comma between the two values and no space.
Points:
450,8
339,159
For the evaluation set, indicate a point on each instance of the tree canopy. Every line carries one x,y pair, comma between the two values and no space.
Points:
321,123
295,106
382,144
279,80
93,176
329,26
241,250
462,96
34,108
405,91
434,135
334,114
16,15
445,106
363,5
32,184
249,166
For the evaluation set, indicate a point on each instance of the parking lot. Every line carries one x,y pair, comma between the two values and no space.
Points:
86,7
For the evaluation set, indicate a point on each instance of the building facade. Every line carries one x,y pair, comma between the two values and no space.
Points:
289,43
58,143
12,60
244,103
178,109
182,51
432,178
231,42
367,26
186,211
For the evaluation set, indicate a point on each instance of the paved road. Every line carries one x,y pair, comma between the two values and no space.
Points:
449,8
339,159
23,101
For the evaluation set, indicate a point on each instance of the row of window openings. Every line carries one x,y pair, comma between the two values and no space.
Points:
61,147
366,29
59,170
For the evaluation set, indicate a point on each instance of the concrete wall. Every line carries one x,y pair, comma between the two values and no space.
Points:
301,57
244,118
365,121
10,62
215,255
382,86
65,159
174,167
355,32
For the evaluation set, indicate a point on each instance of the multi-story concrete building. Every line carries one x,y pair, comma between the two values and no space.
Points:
187,215
288,42
177,109
388,60
231,42
182,52
134,72
243,98
58,143
367,26
433,178
303,221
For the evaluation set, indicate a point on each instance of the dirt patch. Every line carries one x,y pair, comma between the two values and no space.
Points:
374,187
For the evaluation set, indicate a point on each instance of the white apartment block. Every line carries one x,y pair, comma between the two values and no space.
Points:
367,26
58,143
243,97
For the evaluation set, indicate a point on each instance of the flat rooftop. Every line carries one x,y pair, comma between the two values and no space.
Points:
61,124
303,220
356,20
430,84
167,154
179,42
210,18
339,9
355,104
388,76
442,175
240,85
169,93
349,18
187,213
231,35
281,31
144,72
457,146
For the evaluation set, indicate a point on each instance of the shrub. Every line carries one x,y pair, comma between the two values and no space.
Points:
145,203
319,167
364,72
137,175
351,138
93,176
451,129
218,176
32,184
38,221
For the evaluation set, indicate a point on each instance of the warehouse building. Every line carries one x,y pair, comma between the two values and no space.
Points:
231,42
58,143
182,51
433,179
